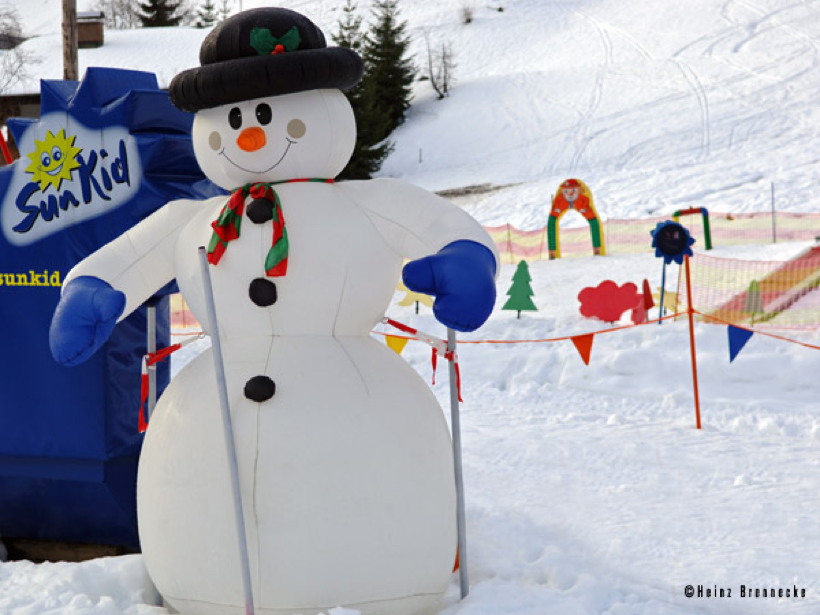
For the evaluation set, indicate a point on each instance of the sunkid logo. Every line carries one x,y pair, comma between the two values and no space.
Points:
96,182
53,160
66,181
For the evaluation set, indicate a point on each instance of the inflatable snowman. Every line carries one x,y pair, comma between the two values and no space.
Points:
344,457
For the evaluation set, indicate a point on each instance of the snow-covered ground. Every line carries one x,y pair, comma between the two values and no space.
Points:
589,491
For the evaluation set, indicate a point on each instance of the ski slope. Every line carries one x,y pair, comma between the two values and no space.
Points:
589,491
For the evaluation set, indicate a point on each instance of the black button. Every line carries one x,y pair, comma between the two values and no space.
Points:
260,211
259,388
262,292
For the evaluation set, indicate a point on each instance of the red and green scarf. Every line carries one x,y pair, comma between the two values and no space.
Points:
229,223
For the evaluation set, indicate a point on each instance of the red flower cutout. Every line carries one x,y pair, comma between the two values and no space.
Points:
608,301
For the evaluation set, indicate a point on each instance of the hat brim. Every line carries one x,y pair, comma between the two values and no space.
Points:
222,83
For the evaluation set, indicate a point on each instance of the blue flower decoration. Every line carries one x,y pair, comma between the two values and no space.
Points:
671,242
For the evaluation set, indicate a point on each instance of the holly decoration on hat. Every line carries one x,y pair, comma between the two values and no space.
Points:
266,43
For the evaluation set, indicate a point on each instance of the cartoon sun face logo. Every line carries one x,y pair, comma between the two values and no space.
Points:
53,160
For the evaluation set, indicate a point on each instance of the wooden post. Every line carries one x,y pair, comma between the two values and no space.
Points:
70,63
691,313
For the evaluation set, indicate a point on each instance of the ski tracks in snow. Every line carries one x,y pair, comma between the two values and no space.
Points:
729,44
579,136
703,103
747,25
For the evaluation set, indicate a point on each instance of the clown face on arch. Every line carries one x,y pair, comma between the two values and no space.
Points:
574,194
571,190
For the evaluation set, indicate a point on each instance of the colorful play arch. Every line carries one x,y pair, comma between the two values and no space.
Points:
574,194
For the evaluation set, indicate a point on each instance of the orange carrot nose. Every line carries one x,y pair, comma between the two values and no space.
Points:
251,139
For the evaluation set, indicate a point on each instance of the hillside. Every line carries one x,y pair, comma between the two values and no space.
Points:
702,103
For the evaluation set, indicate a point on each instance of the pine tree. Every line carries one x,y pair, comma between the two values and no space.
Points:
520,291
371,148
119,14
224,10
390,73
157,13
206,16
349,33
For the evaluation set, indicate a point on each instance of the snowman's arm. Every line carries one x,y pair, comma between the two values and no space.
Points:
415,222
141,260
453,257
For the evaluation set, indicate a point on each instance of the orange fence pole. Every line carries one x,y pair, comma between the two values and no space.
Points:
691,312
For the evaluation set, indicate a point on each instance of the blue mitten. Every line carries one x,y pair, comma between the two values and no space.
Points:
84,318
461,276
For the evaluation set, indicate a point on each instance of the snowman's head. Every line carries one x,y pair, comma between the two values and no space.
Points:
267,99
292,136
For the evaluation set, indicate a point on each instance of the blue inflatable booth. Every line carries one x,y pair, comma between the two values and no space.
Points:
105,153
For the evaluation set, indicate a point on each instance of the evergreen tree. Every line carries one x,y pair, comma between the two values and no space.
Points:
349,33
224,10
371,148
206,16
119,14
520,291
390,73
156,13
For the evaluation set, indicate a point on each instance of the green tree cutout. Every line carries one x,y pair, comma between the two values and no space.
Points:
520,291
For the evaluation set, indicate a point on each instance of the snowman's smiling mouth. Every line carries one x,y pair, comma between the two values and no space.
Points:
273,166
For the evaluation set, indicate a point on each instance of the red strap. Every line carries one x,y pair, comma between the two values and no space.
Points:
5,150
155,357
450,355
142,424
148,360
400,326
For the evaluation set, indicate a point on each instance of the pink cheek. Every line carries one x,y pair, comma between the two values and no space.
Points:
215,140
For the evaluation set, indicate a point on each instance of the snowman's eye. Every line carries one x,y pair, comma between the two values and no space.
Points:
263,113
235,118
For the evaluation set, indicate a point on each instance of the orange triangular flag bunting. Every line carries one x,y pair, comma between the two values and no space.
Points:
583,343
396,344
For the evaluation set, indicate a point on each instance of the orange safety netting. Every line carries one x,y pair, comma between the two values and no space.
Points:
632,236
757,294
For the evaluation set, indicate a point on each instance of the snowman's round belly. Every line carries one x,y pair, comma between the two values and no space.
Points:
346,479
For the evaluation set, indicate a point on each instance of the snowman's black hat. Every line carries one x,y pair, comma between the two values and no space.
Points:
263,52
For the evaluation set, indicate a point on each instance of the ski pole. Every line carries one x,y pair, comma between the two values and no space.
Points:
455,422
227,430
